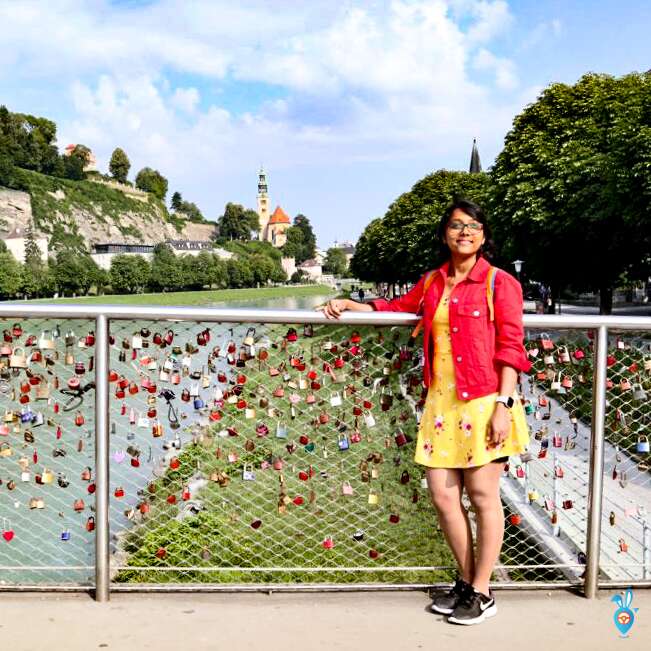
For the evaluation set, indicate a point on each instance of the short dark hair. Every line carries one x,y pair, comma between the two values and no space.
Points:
470,208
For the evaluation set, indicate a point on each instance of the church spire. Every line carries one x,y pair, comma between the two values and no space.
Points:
475,163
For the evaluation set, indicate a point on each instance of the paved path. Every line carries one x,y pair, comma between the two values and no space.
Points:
629,503
355,621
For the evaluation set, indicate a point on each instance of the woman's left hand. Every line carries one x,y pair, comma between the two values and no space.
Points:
499,425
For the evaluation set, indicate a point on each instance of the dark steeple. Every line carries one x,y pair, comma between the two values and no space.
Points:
475,163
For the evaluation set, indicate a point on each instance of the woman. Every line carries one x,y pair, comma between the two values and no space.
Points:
472,421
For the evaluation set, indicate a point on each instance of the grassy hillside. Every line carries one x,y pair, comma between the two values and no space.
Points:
57,204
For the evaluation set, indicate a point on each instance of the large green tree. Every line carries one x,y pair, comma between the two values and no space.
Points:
10,275
75,273
153,181
166,270
335,262
237,223
29,141
119,165
301,241
403,244
34,269
129,274
177,201
572,186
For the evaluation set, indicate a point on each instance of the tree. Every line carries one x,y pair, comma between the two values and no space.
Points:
571,187
8,176
166,272
10,275
237,223
240,273
73,167
153,181
73,272
335,262
34,270
301,242
294,246
191,211
177,200
119,165
403,244
129,274
309,239
299,276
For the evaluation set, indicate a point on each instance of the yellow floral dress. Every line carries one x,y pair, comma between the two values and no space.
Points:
452,432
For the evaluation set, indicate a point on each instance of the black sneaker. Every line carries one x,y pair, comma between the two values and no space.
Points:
444,604
474,607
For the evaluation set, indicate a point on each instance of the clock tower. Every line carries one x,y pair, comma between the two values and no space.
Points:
263,204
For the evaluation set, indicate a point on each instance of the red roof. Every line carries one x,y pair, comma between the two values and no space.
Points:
279,217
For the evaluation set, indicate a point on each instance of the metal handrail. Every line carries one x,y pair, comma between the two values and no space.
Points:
102,314
260,315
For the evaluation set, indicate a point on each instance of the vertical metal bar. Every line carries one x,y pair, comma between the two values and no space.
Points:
102,564
595,490
646,553
556,529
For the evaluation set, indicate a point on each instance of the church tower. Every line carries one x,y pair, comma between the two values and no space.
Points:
263,204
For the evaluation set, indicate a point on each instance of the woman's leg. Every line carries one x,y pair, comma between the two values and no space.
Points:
483,488
446,487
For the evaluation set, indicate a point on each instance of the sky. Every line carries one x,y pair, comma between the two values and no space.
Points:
346,103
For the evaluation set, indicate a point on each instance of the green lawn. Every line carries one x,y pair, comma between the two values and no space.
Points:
203,297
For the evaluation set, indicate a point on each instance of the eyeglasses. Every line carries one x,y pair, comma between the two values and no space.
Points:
459,226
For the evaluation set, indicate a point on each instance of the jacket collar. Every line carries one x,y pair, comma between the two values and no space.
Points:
477,274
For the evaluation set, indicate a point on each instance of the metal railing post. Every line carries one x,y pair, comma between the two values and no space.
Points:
102,560
595,490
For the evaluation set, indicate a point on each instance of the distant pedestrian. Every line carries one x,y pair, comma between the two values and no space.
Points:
360,294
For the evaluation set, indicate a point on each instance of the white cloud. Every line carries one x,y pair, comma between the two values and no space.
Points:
367,82
186,99
505,76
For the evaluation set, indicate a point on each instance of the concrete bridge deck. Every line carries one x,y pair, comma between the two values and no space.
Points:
394,621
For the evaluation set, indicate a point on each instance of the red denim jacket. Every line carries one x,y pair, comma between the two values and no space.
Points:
479,346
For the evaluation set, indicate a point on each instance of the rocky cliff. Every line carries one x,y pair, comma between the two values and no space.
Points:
90,213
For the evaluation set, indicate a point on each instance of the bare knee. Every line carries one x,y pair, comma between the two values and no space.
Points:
484,500
446,501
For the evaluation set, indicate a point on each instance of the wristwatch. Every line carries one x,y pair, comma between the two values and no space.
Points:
507,401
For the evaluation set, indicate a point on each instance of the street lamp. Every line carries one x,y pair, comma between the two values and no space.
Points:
518,267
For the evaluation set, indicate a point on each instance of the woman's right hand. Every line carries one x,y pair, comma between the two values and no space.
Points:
333,308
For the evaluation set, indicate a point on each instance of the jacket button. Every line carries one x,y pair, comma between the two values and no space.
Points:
459,358
475,313
455,329
464,394
455,300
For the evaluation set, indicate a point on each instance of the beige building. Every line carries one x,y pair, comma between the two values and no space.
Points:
16,240
273,228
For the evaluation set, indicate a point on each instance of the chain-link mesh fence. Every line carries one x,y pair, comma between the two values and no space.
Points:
47,452
258,453
558,395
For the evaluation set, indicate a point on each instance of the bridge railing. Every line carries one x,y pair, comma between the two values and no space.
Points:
147,448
